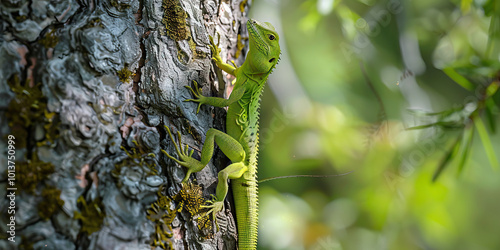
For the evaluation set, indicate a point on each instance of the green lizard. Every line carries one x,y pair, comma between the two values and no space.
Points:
240,142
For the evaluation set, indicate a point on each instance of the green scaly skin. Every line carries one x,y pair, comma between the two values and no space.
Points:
240,144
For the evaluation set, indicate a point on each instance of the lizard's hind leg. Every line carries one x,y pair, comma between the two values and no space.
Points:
235,152
229,146
184,156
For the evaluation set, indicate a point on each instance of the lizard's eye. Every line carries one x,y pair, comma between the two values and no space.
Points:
272,60
271,37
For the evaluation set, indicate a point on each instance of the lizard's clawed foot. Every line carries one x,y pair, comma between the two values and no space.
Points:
184,155
215,49
196,93
215,207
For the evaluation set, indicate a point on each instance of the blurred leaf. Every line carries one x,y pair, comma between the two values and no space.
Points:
310,22
492,89
490,106
441,113
483,134
486,68
450,155
466,147
348,19
493,8
444,124
462,81
490,6
465,5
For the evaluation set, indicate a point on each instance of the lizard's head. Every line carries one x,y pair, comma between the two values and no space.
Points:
264,46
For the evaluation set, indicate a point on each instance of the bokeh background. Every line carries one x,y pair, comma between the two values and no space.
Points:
402,93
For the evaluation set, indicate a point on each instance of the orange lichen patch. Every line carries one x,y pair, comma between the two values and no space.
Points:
22,50
66,11
30,77
126,127
83,182
94,178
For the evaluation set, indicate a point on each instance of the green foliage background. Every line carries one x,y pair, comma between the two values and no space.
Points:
403,93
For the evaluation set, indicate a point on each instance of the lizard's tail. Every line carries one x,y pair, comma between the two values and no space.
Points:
247,215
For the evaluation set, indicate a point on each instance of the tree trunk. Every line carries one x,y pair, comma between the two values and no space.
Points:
86,88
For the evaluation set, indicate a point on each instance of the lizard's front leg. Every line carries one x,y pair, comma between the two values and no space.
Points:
214,101
218,60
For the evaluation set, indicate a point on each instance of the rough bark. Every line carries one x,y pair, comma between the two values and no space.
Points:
86,88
